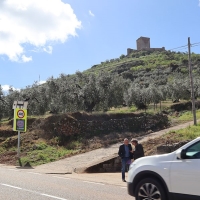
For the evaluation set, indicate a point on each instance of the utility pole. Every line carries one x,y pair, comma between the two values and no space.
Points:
191,83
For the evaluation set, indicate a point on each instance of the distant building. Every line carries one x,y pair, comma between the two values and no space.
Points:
143,43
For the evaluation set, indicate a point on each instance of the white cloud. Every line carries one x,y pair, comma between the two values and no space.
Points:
90,12
26,59
6,88
48,49
36,23
41,82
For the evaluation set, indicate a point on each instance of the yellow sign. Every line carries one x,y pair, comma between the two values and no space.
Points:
20,120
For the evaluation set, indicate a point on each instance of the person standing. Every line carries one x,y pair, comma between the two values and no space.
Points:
139,151
125,154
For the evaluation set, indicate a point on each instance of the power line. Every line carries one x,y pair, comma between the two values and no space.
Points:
186,46
195,43
182,48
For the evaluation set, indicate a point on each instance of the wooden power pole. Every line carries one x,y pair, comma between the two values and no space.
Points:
191,83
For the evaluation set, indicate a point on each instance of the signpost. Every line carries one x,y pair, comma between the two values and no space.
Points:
20,119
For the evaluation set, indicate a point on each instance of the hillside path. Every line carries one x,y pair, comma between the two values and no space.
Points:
80,162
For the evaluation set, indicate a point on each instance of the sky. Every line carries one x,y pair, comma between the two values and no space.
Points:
44,38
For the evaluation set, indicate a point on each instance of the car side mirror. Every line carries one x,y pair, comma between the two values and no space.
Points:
181,154
178,154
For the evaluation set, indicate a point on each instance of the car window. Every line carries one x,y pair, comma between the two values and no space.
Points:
193,152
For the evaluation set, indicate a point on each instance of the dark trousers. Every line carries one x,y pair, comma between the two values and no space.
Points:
124,164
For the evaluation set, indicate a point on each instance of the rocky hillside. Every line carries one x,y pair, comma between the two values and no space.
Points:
59,136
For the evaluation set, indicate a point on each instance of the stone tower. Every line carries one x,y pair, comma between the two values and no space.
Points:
143,43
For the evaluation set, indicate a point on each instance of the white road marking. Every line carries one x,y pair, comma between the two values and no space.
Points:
34,173
61,177
93,183
54,197
31,191
11,186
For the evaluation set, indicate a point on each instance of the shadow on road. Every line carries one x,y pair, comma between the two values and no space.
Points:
26,166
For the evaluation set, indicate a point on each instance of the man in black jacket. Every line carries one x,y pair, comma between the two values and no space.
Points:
138,152
125,154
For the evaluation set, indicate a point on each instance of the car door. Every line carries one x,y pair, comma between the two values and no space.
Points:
185,173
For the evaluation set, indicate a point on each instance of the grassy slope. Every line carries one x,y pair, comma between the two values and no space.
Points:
186,134
46,153
141,61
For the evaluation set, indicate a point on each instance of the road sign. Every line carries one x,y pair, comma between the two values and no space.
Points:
20,124
20,120
20,114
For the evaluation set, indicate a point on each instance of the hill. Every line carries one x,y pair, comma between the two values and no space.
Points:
139,79
147,63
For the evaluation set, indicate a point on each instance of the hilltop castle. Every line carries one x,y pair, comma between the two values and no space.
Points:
143,43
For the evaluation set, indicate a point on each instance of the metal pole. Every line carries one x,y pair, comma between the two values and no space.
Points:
18,149
191,83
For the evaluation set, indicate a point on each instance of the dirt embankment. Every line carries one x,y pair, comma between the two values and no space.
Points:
80,132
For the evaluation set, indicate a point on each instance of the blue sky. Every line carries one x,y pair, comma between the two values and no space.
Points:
76,34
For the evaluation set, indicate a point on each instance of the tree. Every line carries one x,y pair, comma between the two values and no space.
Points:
2,103
12,96
122,56
136,95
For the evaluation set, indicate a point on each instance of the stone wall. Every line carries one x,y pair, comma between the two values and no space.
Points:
129,51
183,106
154,49
70,126
112,165
168,148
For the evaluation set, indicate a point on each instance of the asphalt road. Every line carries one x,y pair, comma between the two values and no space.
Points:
26,185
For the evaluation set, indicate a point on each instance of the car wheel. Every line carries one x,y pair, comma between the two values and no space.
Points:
149,189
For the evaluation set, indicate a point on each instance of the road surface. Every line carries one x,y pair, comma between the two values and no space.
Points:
21,184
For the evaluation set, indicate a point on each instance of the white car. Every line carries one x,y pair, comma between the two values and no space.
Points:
173,176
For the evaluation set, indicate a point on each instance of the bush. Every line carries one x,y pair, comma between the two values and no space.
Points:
122,56
185,106
41,146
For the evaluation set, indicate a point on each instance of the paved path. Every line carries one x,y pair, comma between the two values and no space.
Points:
80,162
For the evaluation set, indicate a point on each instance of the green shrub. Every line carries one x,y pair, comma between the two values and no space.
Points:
41,146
